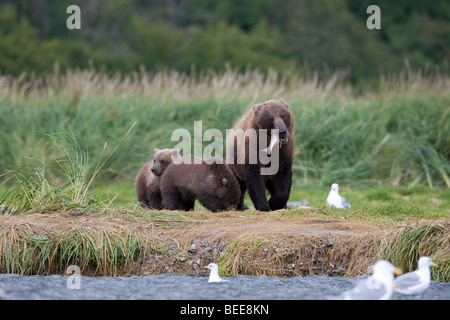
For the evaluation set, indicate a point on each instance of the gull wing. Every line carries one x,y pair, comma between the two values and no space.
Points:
345,203
407,280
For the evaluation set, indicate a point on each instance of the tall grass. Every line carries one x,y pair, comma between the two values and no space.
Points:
399,135
104,253
56,184
432,240
172,85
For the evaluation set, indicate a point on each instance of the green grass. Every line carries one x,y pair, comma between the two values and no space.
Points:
398,135
57,184
418,195
382,204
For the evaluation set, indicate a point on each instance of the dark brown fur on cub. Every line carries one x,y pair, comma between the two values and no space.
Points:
149,177
272,114
214,185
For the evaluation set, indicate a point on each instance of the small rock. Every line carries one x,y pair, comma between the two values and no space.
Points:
193,249
298,204
330,242
341,271
435,201
76,212
5,210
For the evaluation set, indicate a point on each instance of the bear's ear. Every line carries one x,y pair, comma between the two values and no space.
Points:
225,182
155,151
283,102
257,107
175,153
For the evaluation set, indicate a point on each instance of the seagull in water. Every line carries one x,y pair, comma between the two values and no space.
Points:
214,274
335,200
417,281
379,286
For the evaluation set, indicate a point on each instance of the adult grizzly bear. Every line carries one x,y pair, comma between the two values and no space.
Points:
272,114
214,185
149,177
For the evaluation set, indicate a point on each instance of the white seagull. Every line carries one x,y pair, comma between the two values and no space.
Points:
379,286
214,274
335,200
417,281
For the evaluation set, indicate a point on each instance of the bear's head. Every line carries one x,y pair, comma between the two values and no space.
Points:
274,114
224,188
162,158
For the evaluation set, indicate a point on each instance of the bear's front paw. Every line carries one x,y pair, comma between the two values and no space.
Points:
264,207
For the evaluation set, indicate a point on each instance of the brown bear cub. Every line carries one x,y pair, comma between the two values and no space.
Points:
214,185
272,114
148,180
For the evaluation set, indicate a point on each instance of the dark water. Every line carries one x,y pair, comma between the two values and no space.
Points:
181,287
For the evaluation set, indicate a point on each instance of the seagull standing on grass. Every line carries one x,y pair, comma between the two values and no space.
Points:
417,281
379,286
335,200
214,274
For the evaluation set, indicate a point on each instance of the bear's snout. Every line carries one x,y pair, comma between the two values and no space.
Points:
283,133
156,172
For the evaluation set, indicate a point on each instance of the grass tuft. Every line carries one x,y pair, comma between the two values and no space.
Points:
432,240
55,185
105,253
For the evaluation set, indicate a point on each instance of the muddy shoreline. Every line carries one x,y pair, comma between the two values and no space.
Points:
123,244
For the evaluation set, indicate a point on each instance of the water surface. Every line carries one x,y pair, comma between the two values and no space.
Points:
182,287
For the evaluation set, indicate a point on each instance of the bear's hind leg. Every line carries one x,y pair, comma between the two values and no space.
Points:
154,200
188,205
172,200
243,187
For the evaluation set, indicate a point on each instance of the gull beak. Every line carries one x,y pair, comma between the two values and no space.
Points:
397,271
434,265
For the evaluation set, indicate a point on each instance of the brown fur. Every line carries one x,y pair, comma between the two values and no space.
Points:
149,177
272,114
214,185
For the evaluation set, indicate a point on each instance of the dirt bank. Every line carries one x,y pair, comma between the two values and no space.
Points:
143,243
